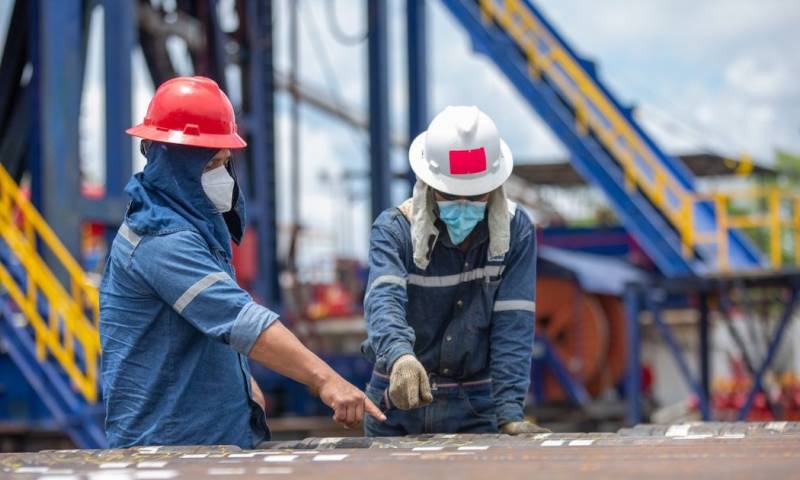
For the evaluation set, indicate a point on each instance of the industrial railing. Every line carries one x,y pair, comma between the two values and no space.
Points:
594,110
771,213
63,316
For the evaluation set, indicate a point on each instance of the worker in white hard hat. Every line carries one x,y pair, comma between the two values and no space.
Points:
450,297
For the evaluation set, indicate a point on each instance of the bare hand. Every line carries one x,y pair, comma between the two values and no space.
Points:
348,403
278,349
258,395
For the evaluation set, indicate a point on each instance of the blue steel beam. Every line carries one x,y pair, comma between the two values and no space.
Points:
637,298
677,355
704,346
633,376
416,39
261,147
60,78
119,18
774,344
217,58
726,309
380,175
574,389
537,372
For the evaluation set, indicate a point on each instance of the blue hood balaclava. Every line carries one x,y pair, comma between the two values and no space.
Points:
167,196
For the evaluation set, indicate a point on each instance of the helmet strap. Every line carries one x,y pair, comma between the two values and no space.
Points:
144,145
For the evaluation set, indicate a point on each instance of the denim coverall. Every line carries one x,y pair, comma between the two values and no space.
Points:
174,325
468,318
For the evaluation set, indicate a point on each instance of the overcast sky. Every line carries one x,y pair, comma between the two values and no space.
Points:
704,75
716,74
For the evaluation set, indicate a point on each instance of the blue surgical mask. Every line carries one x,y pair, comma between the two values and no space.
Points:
461,217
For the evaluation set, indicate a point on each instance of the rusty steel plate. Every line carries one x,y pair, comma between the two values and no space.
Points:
726,451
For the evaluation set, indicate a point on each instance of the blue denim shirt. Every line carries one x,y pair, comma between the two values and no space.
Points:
465,316
175,327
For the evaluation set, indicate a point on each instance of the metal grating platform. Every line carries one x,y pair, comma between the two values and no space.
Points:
711,450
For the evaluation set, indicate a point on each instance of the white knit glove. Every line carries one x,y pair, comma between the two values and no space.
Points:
408,384
523,427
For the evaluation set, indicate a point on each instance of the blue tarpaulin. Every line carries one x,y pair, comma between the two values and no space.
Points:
594,273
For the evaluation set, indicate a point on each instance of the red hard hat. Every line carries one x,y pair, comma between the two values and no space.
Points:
191,111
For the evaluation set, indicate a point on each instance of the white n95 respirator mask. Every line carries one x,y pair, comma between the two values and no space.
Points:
218,186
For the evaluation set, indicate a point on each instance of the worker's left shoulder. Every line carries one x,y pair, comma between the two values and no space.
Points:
168,247
521,222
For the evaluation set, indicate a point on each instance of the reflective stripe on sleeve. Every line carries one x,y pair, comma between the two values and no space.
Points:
453,280
507,305
129,234
392,279
197,288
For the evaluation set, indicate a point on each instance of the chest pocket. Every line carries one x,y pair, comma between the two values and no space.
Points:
491,282
479,316
488,294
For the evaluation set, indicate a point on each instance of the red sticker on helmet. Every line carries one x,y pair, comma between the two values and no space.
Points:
465,162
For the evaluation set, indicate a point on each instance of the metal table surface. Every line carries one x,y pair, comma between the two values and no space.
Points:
711,450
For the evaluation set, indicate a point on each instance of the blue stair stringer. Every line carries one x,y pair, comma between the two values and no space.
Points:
80,420
638,214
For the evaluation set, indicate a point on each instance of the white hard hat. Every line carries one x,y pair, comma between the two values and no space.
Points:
461,153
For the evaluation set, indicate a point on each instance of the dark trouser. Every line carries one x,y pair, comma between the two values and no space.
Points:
458,407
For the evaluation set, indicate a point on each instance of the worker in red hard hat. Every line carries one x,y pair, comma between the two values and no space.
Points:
175,327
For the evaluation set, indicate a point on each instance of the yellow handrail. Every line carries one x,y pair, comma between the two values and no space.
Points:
640,165
73,309
774,211
547,56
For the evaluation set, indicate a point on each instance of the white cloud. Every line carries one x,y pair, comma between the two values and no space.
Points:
765,77
723,71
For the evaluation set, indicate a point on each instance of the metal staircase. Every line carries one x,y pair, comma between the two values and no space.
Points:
654,194
49,313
